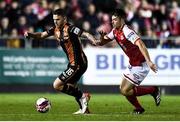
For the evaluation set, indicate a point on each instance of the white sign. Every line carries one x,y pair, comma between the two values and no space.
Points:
106,66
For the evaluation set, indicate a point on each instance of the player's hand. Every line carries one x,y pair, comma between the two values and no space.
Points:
152,66
26,35
102,33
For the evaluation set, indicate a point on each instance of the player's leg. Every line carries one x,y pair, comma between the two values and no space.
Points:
157,96
62,82
66,88
131,91
152,90
127,90
143,90
83,101
135,75
70,89
131,81
66,83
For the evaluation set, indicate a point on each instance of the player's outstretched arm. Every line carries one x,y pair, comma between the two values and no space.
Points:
97,42
90,37
103,38
145,53
36,35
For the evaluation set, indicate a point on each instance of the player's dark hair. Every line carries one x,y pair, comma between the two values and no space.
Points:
59,12
119,13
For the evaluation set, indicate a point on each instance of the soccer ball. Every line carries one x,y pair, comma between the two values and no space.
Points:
43,105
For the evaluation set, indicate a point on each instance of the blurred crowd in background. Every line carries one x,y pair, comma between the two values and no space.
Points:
156,21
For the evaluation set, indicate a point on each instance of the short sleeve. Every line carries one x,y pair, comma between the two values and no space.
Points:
130,34
75,30
50,31
111,35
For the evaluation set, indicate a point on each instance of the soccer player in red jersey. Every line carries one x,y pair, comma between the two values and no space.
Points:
68,37
139,61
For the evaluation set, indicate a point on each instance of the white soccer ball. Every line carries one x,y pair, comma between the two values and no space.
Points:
43,105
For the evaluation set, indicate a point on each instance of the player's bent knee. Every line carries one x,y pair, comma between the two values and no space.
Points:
120,87
57,85
124,92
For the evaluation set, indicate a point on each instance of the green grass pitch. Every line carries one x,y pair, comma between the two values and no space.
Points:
105,107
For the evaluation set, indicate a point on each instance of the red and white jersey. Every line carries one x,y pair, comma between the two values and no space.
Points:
126,38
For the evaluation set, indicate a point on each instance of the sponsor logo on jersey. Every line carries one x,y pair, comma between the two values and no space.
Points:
130,35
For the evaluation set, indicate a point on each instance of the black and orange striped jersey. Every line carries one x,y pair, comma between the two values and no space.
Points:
68,38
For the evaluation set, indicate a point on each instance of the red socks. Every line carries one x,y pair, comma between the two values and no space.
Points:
143,90
139,91
133,100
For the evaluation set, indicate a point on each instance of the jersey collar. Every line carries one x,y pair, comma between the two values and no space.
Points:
120,29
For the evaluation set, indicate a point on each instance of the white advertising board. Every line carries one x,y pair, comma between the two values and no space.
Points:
106,66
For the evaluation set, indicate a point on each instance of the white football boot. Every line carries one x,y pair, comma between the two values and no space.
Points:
78,112
84,104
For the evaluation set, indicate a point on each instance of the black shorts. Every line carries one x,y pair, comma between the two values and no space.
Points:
73,73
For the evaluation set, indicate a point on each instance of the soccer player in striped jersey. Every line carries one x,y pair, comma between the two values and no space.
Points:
68,37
